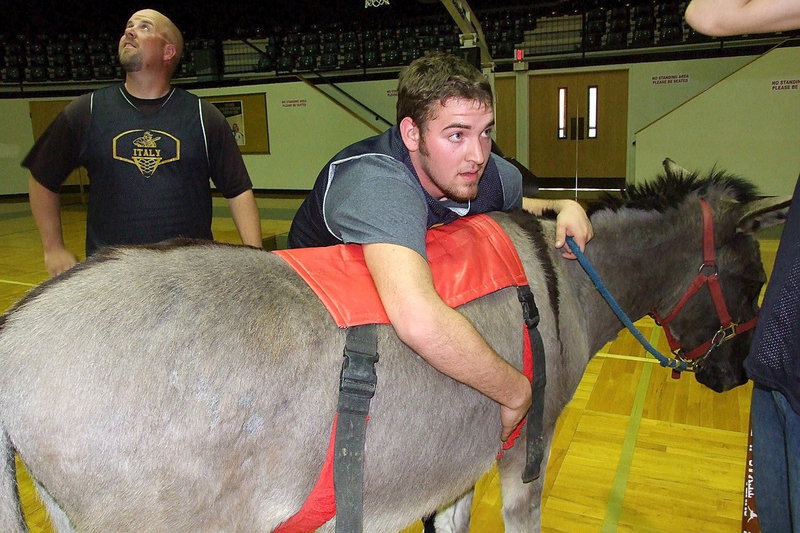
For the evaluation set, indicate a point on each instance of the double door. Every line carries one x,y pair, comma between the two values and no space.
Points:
578,129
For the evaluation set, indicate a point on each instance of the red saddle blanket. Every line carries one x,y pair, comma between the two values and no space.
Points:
469,258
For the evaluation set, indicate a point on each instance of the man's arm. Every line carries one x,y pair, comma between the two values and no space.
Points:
571,220
735,17
441,335
246,217
229,174
46,210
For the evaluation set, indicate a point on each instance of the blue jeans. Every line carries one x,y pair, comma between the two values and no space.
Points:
776,461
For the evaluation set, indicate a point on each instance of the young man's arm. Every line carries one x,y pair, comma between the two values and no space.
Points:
246,217
735,17
571,220
441,335
46,210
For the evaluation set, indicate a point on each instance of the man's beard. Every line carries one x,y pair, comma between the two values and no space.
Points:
451,193
131,62
460,195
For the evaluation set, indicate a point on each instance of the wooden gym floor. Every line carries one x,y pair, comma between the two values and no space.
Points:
635,450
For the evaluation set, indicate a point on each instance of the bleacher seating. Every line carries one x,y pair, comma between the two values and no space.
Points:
600,27
328,61
597,13
372,58
306,63
644,22
642,11
393,58
593,41
618,19
104,72
59,73
693,36
349,61
617,39
671,29
82,73
11,74
642,37
188,69
285,64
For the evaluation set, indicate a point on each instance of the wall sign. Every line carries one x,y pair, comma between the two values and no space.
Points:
294,103
786,85
669,79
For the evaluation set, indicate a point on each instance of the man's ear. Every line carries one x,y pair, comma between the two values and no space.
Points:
410,134
169,52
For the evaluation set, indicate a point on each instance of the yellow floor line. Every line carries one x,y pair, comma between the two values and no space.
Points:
646,359
18,283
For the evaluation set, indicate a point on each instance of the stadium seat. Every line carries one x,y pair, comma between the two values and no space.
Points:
285,64
266,63
643,37
11,74
328,61
306,63
59,73
617,39
671,35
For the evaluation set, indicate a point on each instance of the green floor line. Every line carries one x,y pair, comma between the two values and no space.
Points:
10,215
620,483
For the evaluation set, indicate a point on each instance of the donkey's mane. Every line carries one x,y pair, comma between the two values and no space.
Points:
669,189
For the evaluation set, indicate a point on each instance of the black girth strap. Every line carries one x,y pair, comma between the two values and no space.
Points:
534,451
356,388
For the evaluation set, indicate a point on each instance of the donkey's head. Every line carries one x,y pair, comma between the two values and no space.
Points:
715,327
710,317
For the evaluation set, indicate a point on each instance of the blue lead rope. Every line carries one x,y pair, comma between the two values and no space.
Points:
669,362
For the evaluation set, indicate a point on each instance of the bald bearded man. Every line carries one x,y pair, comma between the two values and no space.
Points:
150,149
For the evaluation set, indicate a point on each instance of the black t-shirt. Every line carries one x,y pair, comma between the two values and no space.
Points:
149,164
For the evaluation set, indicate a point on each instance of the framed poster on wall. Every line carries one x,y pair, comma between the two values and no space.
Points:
246,115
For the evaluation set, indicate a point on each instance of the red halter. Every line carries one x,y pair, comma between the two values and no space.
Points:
709,275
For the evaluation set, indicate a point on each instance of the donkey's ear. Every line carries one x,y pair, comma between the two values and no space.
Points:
764,213
674,169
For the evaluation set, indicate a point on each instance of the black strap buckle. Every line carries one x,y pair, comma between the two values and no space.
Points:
530,313
358,376
358,379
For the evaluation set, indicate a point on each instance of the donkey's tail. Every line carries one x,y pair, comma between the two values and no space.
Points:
10,512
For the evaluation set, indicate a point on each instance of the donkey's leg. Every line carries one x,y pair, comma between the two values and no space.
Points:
58,518
455,518
521,501
10,513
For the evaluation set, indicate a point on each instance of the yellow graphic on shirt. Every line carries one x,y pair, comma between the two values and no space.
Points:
147,140
146,149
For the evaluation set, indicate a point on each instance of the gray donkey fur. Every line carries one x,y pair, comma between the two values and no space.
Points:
192,388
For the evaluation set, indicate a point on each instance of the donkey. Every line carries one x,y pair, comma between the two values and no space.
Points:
192,388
